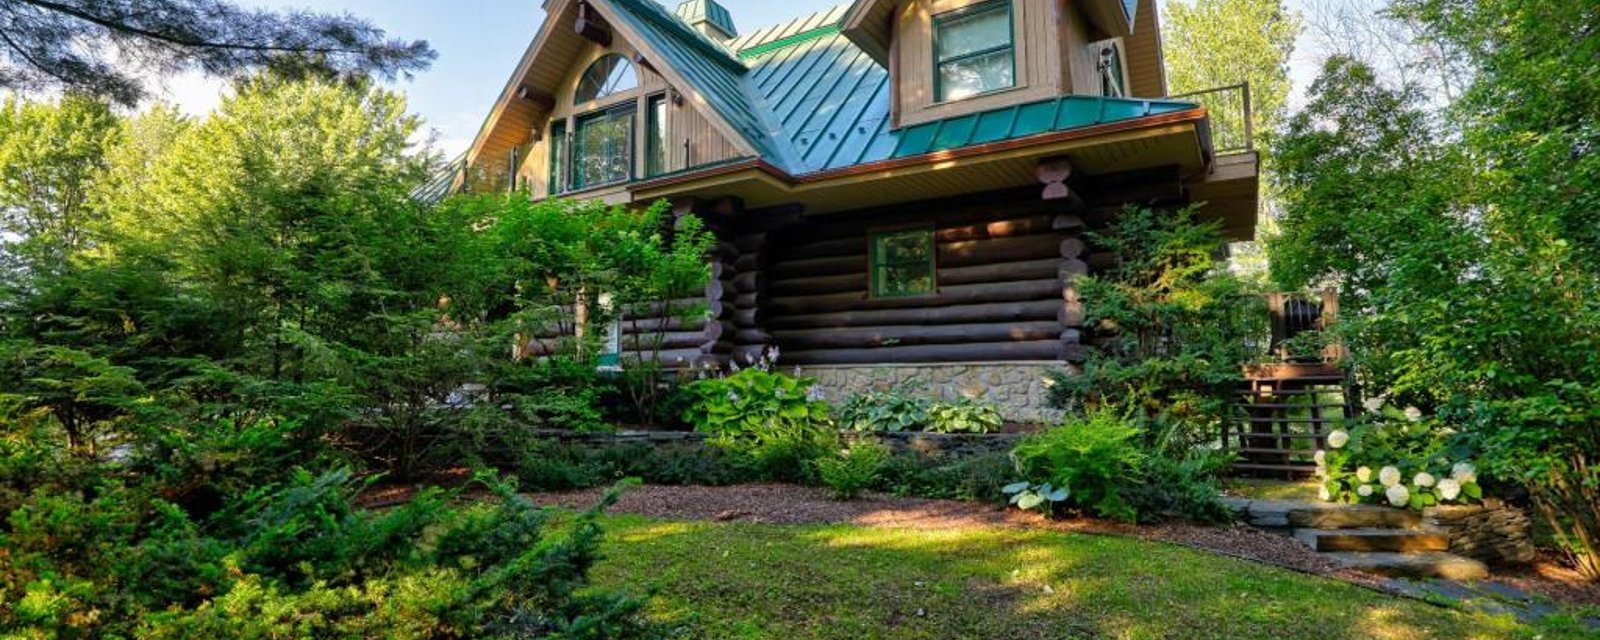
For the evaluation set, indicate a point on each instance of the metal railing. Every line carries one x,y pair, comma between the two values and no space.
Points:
1304,315
1229,111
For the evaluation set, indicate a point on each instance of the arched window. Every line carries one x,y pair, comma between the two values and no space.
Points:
608,75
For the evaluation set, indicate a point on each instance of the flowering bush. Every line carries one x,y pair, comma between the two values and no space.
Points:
1418,464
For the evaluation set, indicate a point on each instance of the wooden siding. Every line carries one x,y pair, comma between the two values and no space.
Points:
1147,76
1037,74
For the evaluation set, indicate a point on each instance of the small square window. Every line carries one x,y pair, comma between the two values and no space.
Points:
902,263
973,51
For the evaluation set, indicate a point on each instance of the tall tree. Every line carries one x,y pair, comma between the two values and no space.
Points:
103,46
49,153
1214,43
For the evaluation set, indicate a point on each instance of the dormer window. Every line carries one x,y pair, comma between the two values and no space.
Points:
611,74
973,51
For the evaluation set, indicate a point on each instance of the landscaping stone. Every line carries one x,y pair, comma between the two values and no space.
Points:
1398,540
1432,564
1493,532
1017,389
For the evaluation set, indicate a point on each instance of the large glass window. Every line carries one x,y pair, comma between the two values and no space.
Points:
655,151
608,75
973,51
558,156
603,147
902,262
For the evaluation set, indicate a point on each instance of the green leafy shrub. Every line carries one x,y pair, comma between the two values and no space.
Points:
1091,458
1185,487
299,559
774,421
854,469
963,416
974,477
896,409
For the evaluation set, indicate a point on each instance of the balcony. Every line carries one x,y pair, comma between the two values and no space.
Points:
1229,110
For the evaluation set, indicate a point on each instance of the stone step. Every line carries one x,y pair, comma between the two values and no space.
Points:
1398,540
1430,564
1303,514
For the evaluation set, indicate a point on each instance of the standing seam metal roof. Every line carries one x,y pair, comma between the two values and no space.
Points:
810,100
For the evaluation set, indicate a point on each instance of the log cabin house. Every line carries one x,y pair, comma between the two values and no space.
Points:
900,187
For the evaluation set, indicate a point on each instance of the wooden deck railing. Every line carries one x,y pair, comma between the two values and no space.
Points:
1230,113
1293,315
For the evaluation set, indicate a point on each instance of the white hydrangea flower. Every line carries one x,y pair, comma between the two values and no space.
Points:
1322,471
1413,414
1464,472
1364,474
1373,405
1324,494
1389,476
1320,456
1364,491
1338,439
1398,495
1449,489
1423,479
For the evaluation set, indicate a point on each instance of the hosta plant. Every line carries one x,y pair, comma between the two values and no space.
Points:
1036,497
963,416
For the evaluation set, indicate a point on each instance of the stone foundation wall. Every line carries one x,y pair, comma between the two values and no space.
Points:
1016,388
1493,532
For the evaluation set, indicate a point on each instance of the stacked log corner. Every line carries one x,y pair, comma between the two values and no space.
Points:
750,337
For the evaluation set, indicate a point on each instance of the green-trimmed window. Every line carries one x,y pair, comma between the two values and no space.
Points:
602,150
558,156
902,262
973,51
655,136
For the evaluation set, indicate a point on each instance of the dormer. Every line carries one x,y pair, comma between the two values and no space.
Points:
953,57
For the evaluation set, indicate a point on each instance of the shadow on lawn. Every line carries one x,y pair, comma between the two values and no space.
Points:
836,581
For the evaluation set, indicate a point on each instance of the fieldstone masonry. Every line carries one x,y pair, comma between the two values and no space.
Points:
1493,532
1016,388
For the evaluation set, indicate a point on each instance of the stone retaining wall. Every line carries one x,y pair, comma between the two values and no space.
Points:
1016,388
928,444
1493,532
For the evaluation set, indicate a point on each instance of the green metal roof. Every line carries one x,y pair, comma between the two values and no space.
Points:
1008,123
807,99
693,11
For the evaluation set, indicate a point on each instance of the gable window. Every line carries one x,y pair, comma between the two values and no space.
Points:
902,262
655,132
1109,68
973,51
611,74
558,156
603,147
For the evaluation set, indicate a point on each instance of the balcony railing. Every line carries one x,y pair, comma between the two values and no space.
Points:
1229,110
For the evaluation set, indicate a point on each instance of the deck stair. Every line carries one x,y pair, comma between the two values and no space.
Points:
1376,539
1284,414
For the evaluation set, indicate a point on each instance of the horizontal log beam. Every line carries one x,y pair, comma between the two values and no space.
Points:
995,312
898,335
857,281
947,296
979,351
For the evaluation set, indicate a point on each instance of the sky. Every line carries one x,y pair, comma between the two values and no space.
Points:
479,43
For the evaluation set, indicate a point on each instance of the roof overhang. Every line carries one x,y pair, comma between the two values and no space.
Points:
1177,139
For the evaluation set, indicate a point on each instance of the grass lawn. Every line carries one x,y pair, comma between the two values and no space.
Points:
1271,489
743,580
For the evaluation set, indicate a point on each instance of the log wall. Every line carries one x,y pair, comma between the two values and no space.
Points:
1002,272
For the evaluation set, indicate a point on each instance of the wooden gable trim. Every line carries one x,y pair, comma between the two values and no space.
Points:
555,9
868,24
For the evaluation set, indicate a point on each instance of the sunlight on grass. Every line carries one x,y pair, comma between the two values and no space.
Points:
1271,489
743,580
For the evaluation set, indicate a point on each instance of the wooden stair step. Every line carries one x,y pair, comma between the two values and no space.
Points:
1430,564
1373,539
1288,405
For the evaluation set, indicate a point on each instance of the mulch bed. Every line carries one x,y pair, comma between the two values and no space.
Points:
793,504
